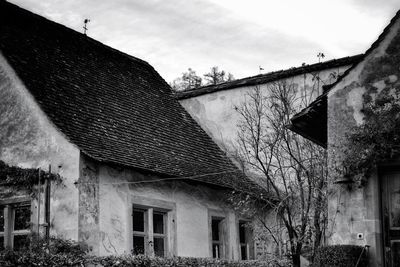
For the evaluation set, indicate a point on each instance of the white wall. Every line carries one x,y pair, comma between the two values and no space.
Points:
28,139
193,205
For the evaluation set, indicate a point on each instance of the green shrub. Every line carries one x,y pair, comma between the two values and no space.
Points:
340,256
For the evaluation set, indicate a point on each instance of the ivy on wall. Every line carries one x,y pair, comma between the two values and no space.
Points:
24,179
378,139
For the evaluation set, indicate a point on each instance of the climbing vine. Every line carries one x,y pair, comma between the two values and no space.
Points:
24,179
377,140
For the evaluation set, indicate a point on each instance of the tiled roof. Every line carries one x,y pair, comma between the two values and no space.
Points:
269,77
116,108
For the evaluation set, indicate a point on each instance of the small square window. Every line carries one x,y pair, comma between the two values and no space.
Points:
245,240
158,223
144,241
138,245
15,224
159,246
216,236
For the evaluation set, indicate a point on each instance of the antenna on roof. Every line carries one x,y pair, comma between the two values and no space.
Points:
86,21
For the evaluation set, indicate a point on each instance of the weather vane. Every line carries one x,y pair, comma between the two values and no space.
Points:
320,56
86,21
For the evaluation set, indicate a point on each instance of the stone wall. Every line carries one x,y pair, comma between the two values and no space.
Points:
354,210
29,140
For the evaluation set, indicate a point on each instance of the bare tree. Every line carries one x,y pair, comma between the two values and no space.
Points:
215,76
293,168
190,80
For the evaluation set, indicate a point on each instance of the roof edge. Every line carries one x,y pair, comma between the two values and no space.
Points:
74,32
374,45
269,77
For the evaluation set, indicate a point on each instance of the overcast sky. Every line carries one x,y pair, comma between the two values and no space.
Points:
236,35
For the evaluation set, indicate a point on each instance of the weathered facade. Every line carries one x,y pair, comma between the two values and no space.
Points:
213,107
364,215
138,173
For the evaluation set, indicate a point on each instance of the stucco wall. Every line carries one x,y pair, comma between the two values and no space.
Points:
216,114
28,139
357,210
120,188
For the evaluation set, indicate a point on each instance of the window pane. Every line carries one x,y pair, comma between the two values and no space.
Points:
1,242
138,245
215,229
242,232
243,250
216,251
21,241
158,223
1,218
22,219
138,220
159,246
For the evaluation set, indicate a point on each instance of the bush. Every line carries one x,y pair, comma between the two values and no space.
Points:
340,256
58,252
144,261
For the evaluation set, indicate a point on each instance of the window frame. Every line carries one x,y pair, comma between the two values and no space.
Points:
220,241
151,206
249,240
223,233
9,220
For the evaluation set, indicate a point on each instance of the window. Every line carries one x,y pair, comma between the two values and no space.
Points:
217,237
149,231
15,223
245,241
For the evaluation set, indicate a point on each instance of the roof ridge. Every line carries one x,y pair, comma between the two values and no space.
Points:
239,82
90,39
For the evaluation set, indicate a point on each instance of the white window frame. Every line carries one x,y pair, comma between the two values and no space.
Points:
9,220
151,206
223,233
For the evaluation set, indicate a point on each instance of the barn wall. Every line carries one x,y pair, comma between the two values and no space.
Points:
357,209
192,205
216,114
28,139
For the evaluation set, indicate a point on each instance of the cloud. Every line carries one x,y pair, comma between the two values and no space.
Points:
237,36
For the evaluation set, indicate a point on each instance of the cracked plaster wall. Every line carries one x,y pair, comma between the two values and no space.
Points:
358,210
215,111
28,139
117,187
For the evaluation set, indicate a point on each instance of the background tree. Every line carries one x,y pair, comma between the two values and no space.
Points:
293,168
188,80
215,76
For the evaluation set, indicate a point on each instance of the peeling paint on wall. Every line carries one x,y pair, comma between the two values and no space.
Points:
29,140
358,210
192,202
215,111
89,209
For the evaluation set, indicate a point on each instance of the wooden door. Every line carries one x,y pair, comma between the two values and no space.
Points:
391,217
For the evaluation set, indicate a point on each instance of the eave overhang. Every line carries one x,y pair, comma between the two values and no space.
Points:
311,122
